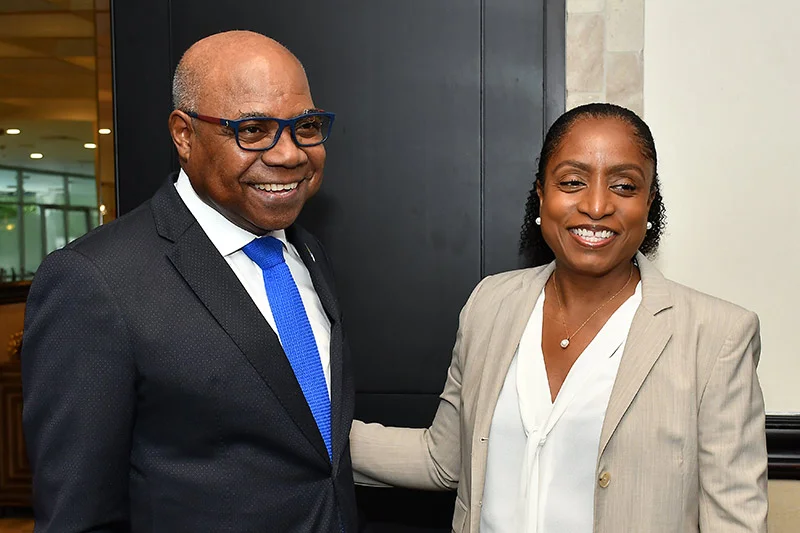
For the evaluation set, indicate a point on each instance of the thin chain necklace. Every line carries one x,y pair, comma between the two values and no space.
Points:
565,341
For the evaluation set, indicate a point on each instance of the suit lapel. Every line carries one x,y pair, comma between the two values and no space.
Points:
210,277
650,331
309,251
315,260
506,332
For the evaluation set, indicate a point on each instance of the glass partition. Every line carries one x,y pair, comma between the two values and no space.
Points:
40,212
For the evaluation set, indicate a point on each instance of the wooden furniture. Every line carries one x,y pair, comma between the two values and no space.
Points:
15,472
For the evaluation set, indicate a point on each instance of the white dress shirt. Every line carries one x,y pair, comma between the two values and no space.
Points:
229,239
540,472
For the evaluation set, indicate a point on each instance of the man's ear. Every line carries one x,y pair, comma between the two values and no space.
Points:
182,132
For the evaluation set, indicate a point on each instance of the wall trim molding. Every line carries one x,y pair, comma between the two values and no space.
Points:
783,446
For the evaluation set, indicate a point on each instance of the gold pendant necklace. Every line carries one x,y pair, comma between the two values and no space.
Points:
565,341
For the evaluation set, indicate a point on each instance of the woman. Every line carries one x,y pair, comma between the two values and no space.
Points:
589,393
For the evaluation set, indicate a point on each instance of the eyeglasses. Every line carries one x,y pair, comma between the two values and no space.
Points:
258,134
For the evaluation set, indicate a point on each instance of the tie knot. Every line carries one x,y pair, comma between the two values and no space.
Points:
266,252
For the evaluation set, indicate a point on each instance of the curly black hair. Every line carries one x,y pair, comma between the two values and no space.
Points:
533,247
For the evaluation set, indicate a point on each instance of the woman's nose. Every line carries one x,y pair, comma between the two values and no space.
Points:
596,202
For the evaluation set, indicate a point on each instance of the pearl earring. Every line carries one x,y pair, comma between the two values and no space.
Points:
649,225
539,221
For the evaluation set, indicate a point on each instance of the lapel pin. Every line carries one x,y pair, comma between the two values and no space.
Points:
311,254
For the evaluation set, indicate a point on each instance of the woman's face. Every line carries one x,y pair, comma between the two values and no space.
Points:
596,196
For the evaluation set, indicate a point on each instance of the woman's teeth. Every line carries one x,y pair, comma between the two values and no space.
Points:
592,236
276,186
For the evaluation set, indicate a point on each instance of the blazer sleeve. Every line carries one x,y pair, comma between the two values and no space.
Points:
417,458
732,450
78,398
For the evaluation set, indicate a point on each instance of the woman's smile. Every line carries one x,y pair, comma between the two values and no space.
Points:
593,237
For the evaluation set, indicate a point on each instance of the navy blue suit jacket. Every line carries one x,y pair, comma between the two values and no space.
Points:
157,399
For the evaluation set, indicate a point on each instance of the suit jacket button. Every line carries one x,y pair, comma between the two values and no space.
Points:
604,479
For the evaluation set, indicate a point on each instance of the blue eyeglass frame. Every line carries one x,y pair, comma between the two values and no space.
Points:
291,123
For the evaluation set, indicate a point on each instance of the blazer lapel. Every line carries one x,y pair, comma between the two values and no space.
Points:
309,251
650,331
507,328
210,277
314,259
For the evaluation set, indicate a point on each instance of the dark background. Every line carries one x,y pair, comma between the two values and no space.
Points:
441,109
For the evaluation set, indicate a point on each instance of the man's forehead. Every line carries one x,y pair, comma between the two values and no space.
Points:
250,92
239,105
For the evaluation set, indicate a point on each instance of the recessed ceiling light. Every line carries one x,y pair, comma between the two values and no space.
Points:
13,131
90,146
36,155
104,131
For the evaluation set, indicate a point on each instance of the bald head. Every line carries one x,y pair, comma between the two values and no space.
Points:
206,65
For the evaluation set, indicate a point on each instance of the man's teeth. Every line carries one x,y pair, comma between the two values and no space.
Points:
592,236
276,186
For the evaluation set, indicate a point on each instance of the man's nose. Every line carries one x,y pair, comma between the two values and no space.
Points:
285,153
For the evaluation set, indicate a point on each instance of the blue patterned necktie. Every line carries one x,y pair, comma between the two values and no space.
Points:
294,329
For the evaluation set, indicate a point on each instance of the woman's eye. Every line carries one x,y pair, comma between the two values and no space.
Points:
627,187
570,183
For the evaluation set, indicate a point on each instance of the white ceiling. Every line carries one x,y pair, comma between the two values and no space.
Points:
49,79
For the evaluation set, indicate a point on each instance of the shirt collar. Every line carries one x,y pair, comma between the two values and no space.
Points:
226,236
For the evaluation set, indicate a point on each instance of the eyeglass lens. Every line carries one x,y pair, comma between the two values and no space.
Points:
259,133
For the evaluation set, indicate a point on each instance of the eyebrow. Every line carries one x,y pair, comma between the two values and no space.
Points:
622,167
250,114
573,163
255,114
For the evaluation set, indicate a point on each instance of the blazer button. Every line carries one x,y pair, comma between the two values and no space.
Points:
604,479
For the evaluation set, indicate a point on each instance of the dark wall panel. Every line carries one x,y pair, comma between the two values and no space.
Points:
513,77
142,71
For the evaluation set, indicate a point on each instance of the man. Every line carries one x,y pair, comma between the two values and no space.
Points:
184,368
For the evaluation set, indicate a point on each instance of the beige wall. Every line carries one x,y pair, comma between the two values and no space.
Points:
11,318
721,83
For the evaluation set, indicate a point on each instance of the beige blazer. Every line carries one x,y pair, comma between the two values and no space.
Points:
683,445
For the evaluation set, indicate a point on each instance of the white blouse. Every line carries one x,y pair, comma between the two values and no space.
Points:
540,472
